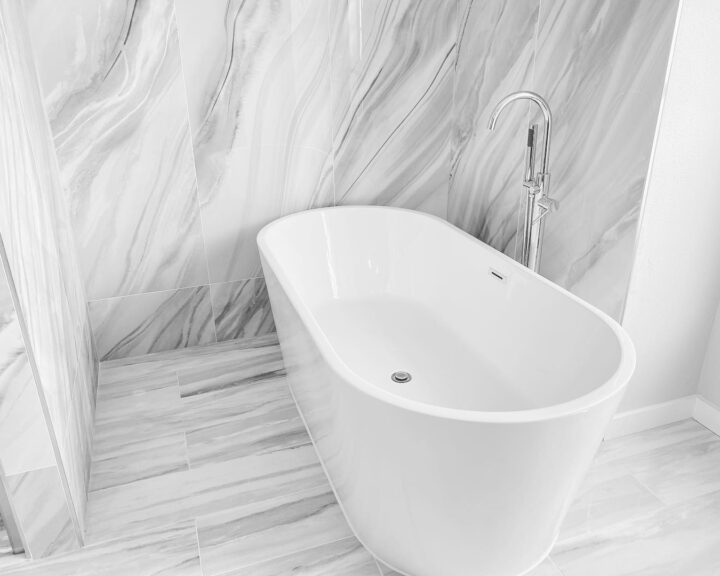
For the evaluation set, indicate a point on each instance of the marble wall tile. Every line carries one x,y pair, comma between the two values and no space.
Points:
257,76
42,513
35,228
258,186
113,88
25,442
601,65
496,49
393,100
152,322
241,309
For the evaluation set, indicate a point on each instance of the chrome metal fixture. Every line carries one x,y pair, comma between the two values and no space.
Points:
401,377
537,184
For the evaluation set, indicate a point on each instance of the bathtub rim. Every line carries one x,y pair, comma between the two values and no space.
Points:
615,384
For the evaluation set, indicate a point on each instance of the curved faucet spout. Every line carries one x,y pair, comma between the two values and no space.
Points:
538,202
544,107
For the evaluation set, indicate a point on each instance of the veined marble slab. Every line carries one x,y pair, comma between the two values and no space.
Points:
269,509
253,418
601,65
344,557
35,226
113,89
24,439
241,309
45,522
392,93
292,523
257,76
152,322
232,368
170,550
683,539
496,50
154,502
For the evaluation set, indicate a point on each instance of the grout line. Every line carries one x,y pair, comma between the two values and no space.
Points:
136,294
649,490
554,564
197,541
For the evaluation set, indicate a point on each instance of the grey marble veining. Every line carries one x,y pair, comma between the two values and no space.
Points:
36,234
346,557
496,50
392,97
257,77
153,322
241,309
601,65
237,538
113,88
262,504
171,550
46,523
25,442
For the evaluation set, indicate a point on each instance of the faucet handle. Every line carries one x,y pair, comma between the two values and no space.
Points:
546,205
533,187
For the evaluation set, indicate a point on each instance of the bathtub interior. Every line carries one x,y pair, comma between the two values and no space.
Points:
394,290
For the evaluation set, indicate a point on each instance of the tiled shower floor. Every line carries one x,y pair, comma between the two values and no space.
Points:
202,467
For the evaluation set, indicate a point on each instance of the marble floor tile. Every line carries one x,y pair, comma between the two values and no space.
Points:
385,570
191,494
7,558
600,504
546,568
134,379
292,523
679,540
139,459
248,419
170,551
627,447
681,473
122,422
345,557
676,463
227,370
252,484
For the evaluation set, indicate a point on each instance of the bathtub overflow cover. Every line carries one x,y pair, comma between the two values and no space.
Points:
401,377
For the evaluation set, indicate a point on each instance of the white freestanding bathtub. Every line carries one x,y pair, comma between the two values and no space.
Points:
468,468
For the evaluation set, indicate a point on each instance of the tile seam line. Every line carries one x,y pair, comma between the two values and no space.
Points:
197,544
175,289
652,492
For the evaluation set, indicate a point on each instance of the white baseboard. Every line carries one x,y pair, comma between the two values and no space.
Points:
707,414
632,421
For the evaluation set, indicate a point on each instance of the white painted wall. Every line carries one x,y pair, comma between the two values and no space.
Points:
675,287
710,376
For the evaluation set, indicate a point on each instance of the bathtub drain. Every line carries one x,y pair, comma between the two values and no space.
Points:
401,377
